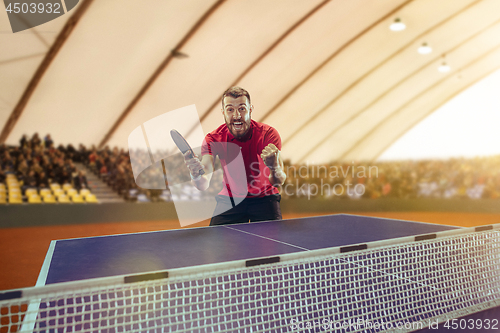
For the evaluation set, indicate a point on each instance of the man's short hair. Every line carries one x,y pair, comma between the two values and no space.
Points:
235,92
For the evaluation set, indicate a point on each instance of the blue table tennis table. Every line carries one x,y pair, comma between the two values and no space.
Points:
134,254
95,257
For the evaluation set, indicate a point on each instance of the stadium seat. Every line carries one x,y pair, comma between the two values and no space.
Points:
67,187
30,191
142,198
2,185
166,196
16,190
3,191
63,199
55,186
3,199
91,198
84,192
13,184
45,191
15,198
58,192
70,192
131,195
34,199
77,198
49,198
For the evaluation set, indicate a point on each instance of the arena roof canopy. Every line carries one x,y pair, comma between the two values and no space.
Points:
331,76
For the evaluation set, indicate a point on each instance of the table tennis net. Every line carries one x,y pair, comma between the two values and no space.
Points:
400,284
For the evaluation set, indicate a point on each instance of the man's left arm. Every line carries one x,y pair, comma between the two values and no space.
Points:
271,156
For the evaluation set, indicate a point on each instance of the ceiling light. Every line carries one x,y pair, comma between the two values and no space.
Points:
444,67
424,49
397,25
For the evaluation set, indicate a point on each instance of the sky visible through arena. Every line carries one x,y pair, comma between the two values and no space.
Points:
466,126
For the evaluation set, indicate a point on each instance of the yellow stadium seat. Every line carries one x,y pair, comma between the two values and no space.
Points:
14,190
45,191
10,176
77,198
70,192
67,187
13,201
3,199
13,184
58,192
49,198
91,198
3,191
31,191
15,193
34,199
55,186
2,185
63,199
84,192
15,198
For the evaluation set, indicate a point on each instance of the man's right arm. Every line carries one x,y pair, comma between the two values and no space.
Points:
195,165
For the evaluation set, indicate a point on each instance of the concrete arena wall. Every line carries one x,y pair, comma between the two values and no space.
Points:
12,216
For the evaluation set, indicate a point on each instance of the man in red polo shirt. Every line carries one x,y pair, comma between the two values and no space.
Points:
260,146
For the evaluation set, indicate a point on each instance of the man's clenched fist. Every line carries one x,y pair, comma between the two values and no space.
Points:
270,155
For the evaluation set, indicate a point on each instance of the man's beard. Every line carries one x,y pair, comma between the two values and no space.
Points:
241,133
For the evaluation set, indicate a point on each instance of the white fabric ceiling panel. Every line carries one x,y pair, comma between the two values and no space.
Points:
463,54
300,53
384,135
49,31
28,42
114,49
356,95
20,56
229,41
15,76
404,62
20,45
335,78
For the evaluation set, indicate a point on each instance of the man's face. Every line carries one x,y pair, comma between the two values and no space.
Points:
237,114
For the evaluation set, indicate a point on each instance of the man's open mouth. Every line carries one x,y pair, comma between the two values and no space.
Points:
238,125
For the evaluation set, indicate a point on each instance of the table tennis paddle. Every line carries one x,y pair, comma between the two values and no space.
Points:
183,146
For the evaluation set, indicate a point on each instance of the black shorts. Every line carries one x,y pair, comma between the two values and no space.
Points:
250,209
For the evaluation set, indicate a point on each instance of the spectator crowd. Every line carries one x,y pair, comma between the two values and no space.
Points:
37,163
471,178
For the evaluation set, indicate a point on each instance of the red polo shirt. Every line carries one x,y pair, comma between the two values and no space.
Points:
223,144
